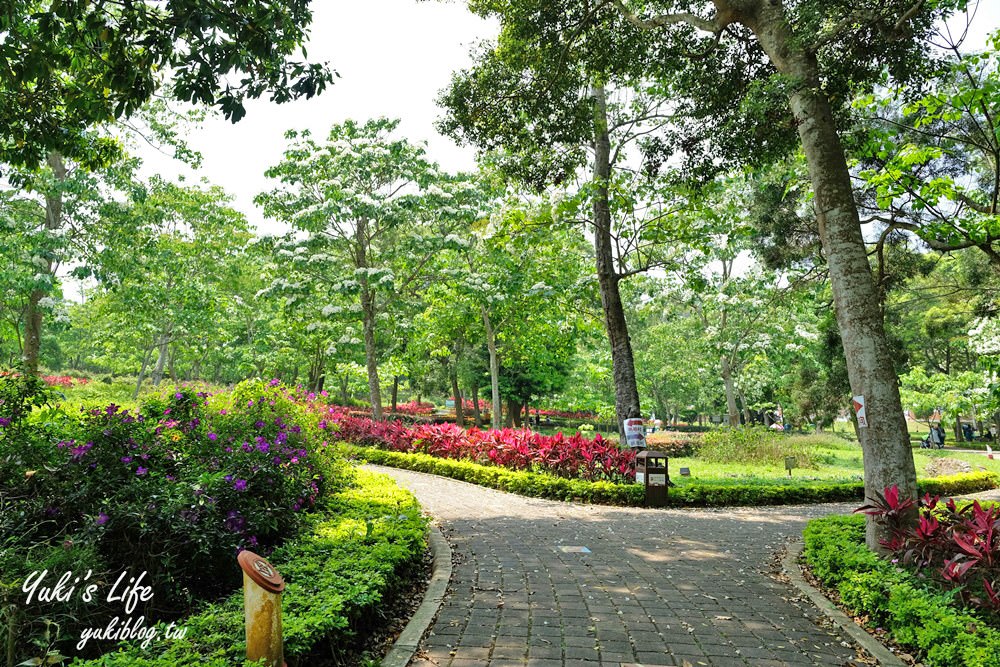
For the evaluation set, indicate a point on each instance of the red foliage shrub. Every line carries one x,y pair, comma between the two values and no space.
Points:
959,547
518,449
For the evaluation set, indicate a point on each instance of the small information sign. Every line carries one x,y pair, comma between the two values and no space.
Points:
859,410
657,479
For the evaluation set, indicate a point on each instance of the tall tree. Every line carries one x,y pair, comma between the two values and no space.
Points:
369,203
812,54
545,109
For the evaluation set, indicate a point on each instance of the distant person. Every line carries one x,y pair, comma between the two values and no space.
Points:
936,436
967,432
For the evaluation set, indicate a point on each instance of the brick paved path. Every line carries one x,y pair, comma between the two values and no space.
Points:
658,587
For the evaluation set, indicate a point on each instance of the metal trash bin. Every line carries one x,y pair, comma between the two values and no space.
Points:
651,471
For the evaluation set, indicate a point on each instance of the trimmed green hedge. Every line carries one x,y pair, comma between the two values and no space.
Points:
336,577
918,618
687,494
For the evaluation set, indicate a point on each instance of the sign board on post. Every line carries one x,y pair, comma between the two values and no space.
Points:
634,434
859,410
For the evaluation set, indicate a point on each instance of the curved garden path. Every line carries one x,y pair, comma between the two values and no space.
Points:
658,587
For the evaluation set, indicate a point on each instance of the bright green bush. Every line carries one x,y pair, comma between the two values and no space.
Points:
756,445
919,618
337,574
688,494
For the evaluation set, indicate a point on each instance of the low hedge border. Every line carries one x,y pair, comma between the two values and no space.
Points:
697,494
918,618
336,577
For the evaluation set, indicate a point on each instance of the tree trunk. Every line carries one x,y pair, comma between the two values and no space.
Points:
163,348
475,406
747,419
513,413
459,403
888,459
142,371
727,380
395,391
33,311
368,321
491,344
622,362
345,381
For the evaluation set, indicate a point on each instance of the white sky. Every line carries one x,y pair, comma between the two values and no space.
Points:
393,57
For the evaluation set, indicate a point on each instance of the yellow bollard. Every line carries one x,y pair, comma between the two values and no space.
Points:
262,587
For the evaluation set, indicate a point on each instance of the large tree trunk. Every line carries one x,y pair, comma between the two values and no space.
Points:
727,380
514,412
622,363
368,321
491,345
33,311
888,459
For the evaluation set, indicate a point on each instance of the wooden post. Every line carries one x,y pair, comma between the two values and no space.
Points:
262,588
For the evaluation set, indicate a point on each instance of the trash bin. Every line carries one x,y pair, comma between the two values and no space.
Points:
651,472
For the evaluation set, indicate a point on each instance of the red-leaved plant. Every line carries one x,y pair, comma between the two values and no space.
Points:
958,546
518,449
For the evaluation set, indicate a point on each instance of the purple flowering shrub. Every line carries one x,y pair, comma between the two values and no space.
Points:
177,488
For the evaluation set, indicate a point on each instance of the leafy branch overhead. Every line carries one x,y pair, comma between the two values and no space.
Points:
66,66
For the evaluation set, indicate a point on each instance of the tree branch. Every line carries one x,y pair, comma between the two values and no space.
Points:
663,20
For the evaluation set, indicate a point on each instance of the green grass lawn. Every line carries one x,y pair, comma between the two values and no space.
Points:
839,460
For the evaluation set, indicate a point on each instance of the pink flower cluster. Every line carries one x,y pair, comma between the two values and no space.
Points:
63,380
571,457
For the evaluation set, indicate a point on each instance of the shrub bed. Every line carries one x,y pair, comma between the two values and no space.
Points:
573,457
921,618
174,490
337,575
698,494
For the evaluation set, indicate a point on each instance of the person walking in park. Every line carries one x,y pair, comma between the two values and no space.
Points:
937,436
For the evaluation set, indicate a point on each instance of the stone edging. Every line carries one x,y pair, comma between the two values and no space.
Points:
874,647
409,639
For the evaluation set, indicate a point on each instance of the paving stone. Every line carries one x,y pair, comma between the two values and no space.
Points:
674,572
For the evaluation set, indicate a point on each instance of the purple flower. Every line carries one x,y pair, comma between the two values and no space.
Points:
229,478
275,382
140,471
258,424
213,437
4,421
101,519
240,485
126,459
167,411
222,412
263,446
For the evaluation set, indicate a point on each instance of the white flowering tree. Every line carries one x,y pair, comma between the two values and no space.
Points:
368,211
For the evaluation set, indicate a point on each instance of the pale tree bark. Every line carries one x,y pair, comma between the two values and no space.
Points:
142,371
727,380
33,311
888,459
476,413
622,361
491,345
162,349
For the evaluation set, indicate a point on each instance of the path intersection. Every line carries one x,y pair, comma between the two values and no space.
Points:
538,583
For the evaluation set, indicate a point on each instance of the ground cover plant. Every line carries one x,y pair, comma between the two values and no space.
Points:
906,602
173,489
338,573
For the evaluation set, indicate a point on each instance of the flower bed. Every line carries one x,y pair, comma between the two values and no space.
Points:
173,490
573,457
